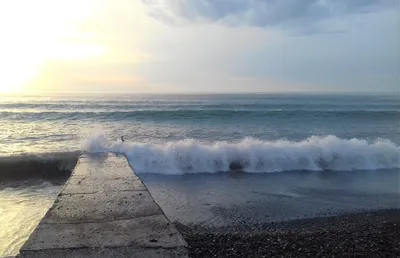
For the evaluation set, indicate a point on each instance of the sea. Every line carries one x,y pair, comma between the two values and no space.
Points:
208,159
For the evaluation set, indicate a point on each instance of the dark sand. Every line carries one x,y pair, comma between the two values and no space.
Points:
363,234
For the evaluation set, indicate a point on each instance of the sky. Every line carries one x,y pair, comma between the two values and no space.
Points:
191,46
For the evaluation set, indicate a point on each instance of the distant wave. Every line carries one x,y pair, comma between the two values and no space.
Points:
256,156
164,115
200,105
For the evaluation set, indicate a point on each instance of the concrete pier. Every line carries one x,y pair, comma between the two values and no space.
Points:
104,210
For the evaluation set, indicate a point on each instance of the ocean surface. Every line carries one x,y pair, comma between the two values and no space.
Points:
179,134
211,158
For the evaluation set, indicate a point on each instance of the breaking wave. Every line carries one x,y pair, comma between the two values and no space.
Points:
45,166
253,155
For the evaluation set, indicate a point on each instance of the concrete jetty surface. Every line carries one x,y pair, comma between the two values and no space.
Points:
104,210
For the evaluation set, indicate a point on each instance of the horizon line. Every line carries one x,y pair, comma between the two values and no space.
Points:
36,93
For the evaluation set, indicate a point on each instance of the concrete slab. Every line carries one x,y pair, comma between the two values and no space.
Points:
121,252
104,210
83,185
97,170
153,231
101,166
103,206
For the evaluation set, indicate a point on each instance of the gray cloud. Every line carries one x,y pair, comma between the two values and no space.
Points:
261,13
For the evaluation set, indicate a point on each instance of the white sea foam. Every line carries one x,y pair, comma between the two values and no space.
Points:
253,155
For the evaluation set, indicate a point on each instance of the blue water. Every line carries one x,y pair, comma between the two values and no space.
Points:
195,133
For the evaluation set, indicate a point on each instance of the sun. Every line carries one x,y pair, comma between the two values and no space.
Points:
37,32
16,80
18,68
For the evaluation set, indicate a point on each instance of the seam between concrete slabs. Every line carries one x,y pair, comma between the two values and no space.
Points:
106,247
96,192
103,220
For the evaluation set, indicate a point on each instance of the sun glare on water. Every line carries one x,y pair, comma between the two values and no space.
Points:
37,32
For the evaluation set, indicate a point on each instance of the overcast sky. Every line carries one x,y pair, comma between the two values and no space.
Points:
217,45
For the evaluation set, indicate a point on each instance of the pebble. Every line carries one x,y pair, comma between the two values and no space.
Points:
366,234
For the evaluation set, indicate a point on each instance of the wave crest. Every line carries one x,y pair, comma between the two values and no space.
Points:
253,155
44,165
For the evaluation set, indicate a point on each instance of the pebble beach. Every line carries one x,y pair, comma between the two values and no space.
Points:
362,234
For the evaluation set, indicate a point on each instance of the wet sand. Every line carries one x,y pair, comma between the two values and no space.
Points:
229,199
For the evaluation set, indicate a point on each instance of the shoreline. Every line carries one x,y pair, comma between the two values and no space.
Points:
370,233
